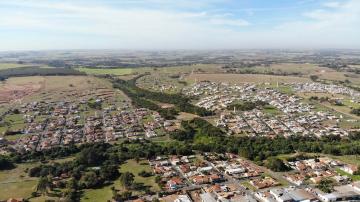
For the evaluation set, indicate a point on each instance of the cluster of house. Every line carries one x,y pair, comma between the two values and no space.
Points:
257,123
316,169
209,177
296,118
326,88
213,177
217,96
63,123
347,192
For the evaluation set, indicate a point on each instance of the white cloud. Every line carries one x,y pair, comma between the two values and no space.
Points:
332,4
100,26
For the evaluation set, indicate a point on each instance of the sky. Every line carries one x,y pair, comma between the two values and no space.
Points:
179,24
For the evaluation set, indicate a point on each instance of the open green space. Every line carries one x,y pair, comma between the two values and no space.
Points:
98,71
132,166
353,177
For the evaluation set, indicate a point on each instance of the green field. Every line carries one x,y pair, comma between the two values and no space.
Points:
119,71
16,183
11,65
105,193
353,177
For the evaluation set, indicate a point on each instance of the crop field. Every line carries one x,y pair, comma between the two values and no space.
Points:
208,68
99,71
289,68
341,76
12,65
245,78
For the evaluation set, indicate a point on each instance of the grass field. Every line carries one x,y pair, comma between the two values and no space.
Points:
12,65
290,68
245,78
16,183
118,72
353,177
105,193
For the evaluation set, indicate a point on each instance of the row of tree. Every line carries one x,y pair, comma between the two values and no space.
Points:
37,71
145,98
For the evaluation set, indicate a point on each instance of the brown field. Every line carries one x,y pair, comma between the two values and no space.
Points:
305,69
53,88
17,88
245,78
340,76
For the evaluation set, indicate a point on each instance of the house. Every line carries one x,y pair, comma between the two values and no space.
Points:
182,198
207,197
232,171
351,169
174,183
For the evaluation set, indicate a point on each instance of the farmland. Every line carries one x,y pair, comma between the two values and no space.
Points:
99,71
245,78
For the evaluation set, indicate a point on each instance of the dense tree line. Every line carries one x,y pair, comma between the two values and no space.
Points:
52,153
356,111
97,164
145,98
261,148
246,106
37,71
5,163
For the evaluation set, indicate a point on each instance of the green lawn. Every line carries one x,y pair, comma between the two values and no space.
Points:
16,183
271,110
13,122
119,71
21,189
353,177
248,185
11,65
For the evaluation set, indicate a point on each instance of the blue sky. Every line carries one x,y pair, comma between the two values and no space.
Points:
179,24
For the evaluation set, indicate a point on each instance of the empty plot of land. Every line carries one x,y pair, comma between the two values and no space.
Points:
245,78
52,88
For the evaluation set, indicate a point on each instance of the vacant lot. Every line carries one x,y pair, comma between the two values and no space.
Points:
119,71
53,88
245,78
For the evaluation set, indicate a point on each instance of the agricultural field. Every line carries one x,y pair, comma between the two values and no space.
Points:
341,76
244,78
12,65
289,68
99,71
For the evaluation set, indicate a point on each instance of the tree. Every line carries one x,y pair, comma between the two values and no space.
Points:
126,179
109,172
326,185
5,163
90,180
276,165
43,185
314,77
